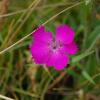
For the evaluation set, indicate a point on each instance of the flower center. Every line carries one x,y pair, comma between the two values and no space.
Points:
55,45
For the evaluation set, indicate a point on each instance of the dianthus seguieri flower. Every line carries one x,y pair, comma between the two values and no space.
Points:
53,51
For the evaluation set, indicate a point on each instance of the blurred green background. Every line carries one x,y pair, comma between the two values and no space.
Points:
21,79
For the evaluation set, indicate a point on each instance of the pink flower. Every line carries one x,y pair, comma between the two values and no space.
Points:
53,50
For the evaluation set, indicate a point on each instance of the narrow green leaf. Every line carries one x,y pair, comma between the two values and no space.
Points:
88,77
93,38
81,56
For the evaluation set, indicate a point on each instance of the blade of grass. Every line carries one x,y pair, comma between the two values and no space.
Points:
45,89
88,77
49,73
5,98
24,20
94,36
25,92
43,7
6,49
86,83
6,41
81,56
9,33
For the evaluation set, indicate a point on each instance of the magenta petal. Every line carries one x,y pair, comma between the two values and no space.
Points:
65,34
39,52
41,35
51,51
58,60
71,48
